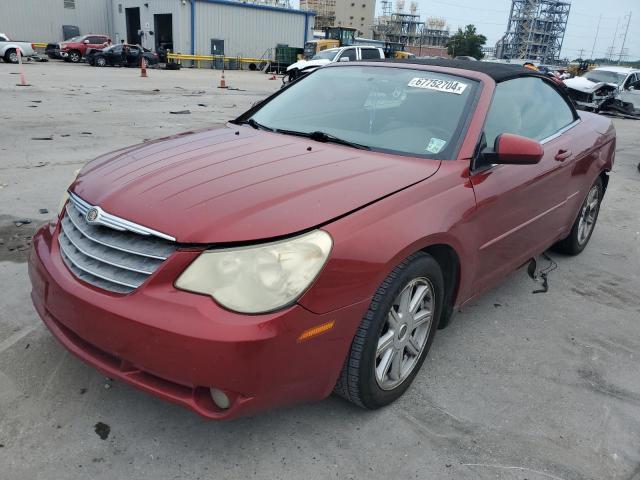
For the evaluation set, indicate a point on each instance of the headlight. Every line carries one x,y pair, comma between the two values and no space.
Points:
65,195
260,278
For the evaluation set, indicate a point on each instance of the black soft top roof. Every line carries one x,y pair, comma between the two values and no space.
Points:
498,71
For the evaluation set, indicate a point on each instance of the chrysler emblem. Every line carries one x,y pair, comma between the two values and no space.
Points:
92,215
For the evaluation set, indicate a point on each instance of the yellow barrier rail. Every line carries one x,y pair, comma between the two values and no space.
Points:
39,45
179,57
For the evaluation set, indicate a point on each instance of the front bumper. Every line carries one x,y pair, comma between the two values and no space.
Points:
176,345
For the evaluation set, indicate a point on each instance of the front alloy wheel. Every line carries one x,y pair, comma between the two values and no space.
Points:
74,57
404,334
395,334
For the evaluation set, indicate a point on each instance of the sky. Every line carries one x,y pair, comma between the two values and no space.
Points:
490,18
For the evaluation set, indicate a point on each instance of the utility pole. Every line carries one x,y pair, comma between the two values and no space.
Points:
624,40
613,44
596,39
581,54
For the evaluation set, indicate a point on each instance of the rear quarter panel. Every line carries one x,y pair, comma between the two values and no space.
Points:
593,142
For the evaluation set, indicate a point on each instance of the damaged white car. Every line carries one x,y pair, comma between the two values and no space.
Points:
607,88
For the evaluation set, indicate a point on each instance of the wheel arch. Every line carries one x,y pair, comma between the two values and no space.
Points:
449,262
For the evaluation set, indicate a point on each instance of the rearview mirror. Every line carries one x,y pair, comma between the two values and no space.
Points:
86,42
510,149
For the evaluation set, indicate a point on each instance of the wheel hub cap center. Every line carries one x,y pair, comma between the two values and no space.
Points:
402,331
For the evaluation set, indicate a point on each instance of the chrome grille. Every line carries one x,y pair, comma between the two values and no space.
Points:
117,260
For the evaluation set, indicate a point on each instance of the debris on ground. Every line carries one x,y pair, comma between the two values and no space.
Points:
181,112
15,238
40,164
42,138
103,430
43,211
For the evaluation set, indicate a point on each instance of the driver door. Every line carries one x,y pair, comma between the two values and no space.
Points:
521,209
631,90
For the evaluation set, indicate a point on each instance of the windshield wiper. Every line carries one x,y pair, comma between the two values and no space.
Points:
258,126
324,137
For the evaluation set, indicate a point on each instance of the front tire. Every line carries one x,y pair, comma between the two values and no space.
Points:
100,62
395,334
584,225
11,56
74,56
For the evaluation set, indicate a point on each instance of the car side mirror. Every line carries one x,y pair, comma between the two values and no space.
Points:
510,149
344,59
86,42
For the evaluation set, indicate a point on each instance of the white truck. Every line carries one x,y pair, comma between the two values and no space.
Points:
351,53
9,49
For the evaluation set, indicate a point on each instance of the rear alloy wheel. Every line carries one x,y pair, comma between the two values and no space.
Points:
74,56
395,334
584,225
101,62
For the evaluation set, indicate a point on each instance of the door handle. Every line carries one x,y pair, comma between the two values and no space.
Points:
562,155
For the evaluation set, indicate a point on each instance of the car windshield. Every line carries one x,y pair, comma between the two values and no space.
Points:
398,110
605,76
325,55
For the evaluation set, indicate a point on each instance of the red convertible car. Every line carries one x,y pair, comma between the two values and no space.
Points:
316,243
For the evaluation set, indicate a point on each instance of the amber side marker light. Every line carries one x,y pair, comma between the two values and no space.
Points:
315,331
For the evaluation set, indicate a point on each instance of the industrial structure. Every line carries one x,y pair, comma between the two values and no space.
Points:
203,27
325,11
342,13
535,30
408,29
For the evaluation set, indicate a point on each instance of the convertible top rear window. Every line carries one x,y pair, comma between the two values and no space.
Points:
407,111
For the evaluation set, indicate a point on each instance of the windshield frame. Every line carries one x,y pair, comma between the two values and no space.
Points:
459,135
334,51
618,74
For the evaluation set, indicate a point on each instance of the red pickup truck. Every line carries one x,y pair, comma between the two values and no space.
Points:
74,49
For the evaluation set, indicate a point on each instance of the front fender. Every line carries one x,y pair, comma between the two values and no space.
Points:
370,242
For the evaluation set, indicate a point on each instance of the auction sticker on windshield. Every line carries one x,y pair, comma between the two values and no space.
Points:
448,86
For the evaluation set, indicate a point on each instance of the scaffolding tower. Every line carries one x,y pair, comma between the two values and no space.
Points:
325,11
535,30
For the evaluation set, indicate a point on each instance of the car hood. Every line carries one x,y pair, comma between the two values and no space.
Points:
219,186
581,84
303,64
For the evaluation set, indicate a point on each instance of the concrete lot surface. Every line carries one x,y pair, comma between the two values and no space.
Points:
520,386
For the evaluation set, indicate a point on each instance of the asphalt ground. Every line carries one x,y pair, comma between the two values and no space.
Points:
520,386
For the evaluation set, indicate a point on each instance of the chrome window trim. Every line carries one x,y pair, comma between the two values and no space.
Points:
112,221
560,132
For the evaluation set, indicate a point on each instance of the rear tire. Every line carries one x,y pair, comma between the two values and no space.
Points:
393,339
100,62
585,223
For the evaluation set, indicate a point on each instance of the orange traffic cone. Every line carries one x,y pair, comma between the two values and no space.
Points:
223,84
23,80
143,68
